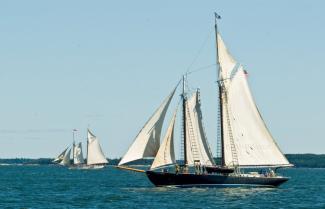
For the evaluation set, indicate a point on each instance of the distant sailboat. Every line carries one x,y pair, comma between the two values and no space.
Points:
245,141
95,156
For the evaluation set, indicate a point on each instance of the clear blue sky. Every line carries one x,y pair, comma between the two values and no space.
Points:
109,64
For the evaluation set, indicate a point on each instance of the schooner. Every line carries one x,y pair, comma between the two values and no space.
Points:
95,157
245,141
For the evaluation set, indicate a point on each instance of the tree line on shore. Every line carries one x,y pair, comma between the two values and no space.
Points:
299,160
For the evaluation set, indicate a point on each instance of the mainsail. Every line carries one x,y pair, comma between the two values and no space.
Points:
66,158
166,153
197,148
77,154
147,142
95,154
246,139
59,158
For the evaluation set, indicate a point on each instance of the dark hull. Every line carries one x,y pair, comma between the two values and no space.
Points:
193,180
217,169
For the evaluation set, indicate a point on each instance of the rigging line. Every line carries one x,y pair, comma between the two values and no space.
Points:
199,52
179,101
201,68
195,71
180,80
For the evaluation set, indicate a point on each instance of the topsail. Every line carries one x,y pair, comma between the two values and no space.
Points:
225,59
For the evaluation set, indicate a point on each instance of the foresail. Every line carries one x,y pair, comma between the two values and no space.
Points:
166,153
78,156
197,147
225,59
95,154
253,143
147,142
66,159
61,156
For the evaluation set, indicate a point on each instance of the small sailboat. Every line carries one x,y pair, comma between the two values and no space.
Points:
95,156
244,141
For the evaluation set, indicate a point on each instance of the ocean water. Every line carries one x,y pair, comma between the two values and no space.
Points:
58,187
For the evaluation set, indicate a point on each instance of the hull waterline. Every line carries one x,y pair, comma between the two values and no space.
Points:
208,180
86,167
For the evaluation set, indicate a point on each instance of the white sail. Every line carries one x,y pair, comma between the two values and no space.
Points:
166,153
95,154
253,143
66,158
60,157
197,148
77,154
147,142
226,61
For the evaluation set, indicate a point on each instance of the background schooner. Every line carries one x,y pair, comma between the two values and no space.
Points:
95,157
245,141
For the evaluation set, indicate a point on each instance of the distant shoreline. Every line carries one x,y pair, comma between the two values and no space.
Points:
299,160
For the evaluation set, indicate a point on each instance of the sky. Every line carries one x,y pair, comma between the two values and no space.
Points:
108,65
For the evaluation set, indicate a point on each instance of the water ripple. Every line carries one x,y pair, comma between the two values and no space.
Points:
57,187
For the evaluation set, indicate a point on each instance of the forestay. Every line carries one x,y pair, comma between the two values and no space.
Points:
166,153
77,154
95,154
147,142
197,147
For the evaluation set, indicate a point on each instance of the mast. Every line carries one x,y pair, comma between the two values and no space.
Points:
184,121
220,90
73,145
87,147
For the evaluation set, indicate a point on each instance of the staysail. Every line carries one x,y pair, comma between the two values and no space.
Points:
225,59
197,146
66,158
95,154
246,139
147,142
77,154
60,157
166,153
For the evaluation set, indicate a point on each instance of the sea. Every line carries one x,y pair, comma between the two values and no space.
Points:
49,186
